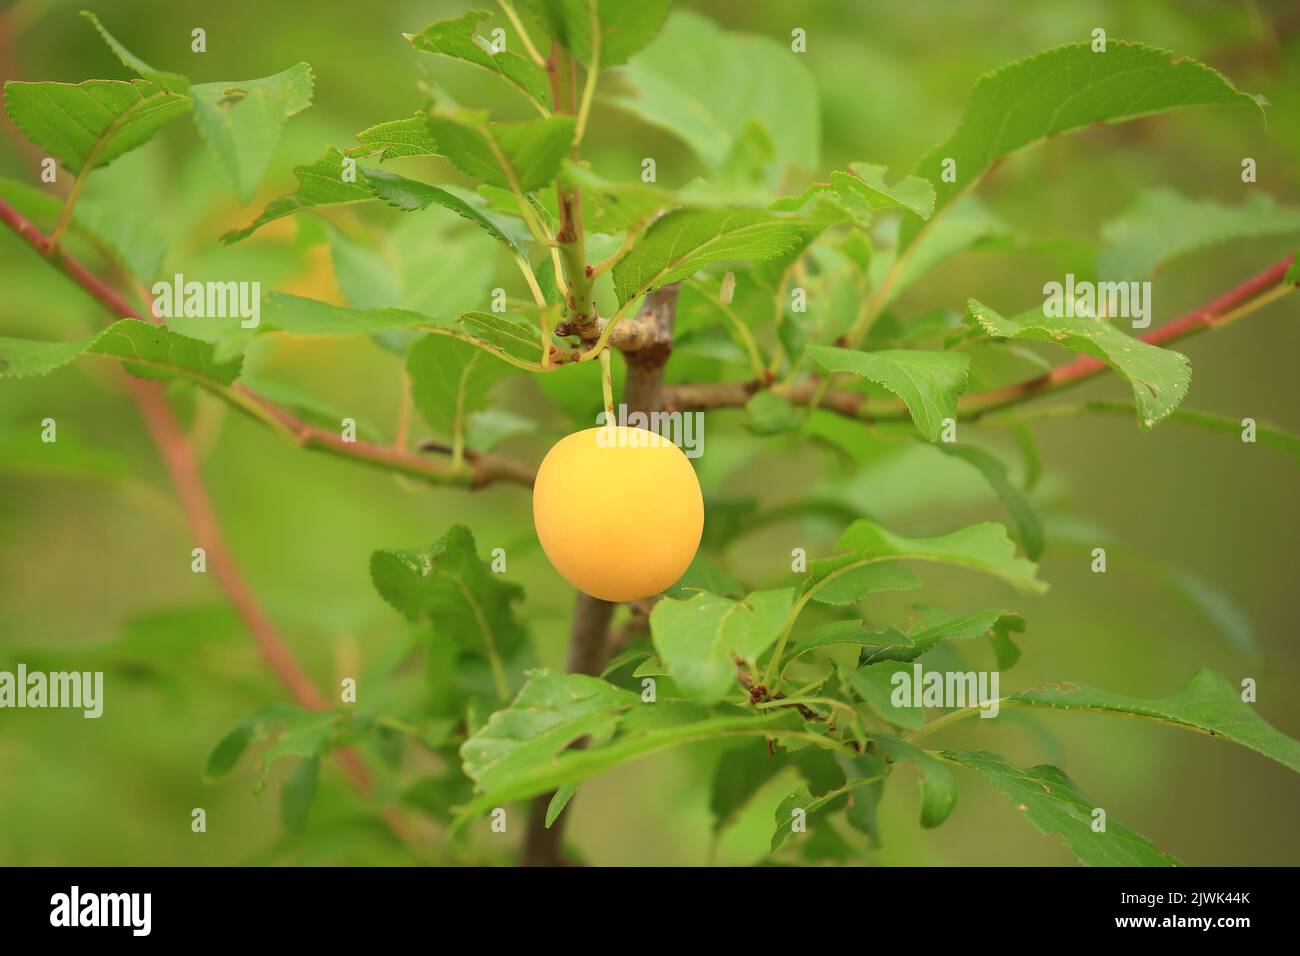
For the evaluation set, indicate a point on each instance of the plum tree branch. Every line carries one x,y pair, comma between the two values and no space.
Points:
482,469
590,642
183,467
1250,295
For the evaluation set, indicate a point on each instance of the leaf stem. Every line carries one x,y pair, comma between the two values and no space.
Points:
531,278
65,214
508,9
593,71
955,716
746,337
535,228
629,240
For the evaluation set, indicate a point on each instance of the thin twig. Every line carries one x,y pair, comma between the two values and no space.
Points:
1253,293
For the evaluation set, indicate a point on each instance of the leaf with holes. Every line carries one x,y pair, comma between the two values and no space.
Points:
241,121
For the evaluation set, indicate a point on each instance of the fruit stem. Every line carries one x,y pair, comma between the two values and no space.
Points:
607,385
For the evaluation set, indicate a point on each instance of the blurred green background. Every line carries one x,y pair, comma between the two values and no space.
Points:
94,552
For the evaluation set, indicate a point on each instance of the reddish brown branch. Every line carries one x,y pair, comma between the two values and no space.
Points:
183,468
696,396
483,469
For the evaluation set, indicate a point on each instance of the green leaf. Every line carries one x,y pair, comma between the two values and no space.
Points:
873,685
438,795
307,734
856,583
410,195
450,379
868,771
927,382
786,815
748,176
231,747
437,271
697,638
861,811
995,473
151,351
705,574
521,751
1065,88
241,120
703,85
981,547
168,81
1053,804
624,28
1159,377
88,125
769,414
550,712
864,185
740,773
512,334
397,139
110,220
526,155
894,644
679,244
297,794
938,787
613,207
319,184
1162,225
456,38
302,316
558,803
450,586
1209,704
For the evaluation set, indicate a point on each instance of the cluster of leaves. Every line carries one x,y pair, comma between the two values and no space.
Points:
725,662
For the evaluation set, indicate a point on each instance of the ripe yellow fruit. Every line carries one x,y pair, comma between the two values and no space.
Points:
618,511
